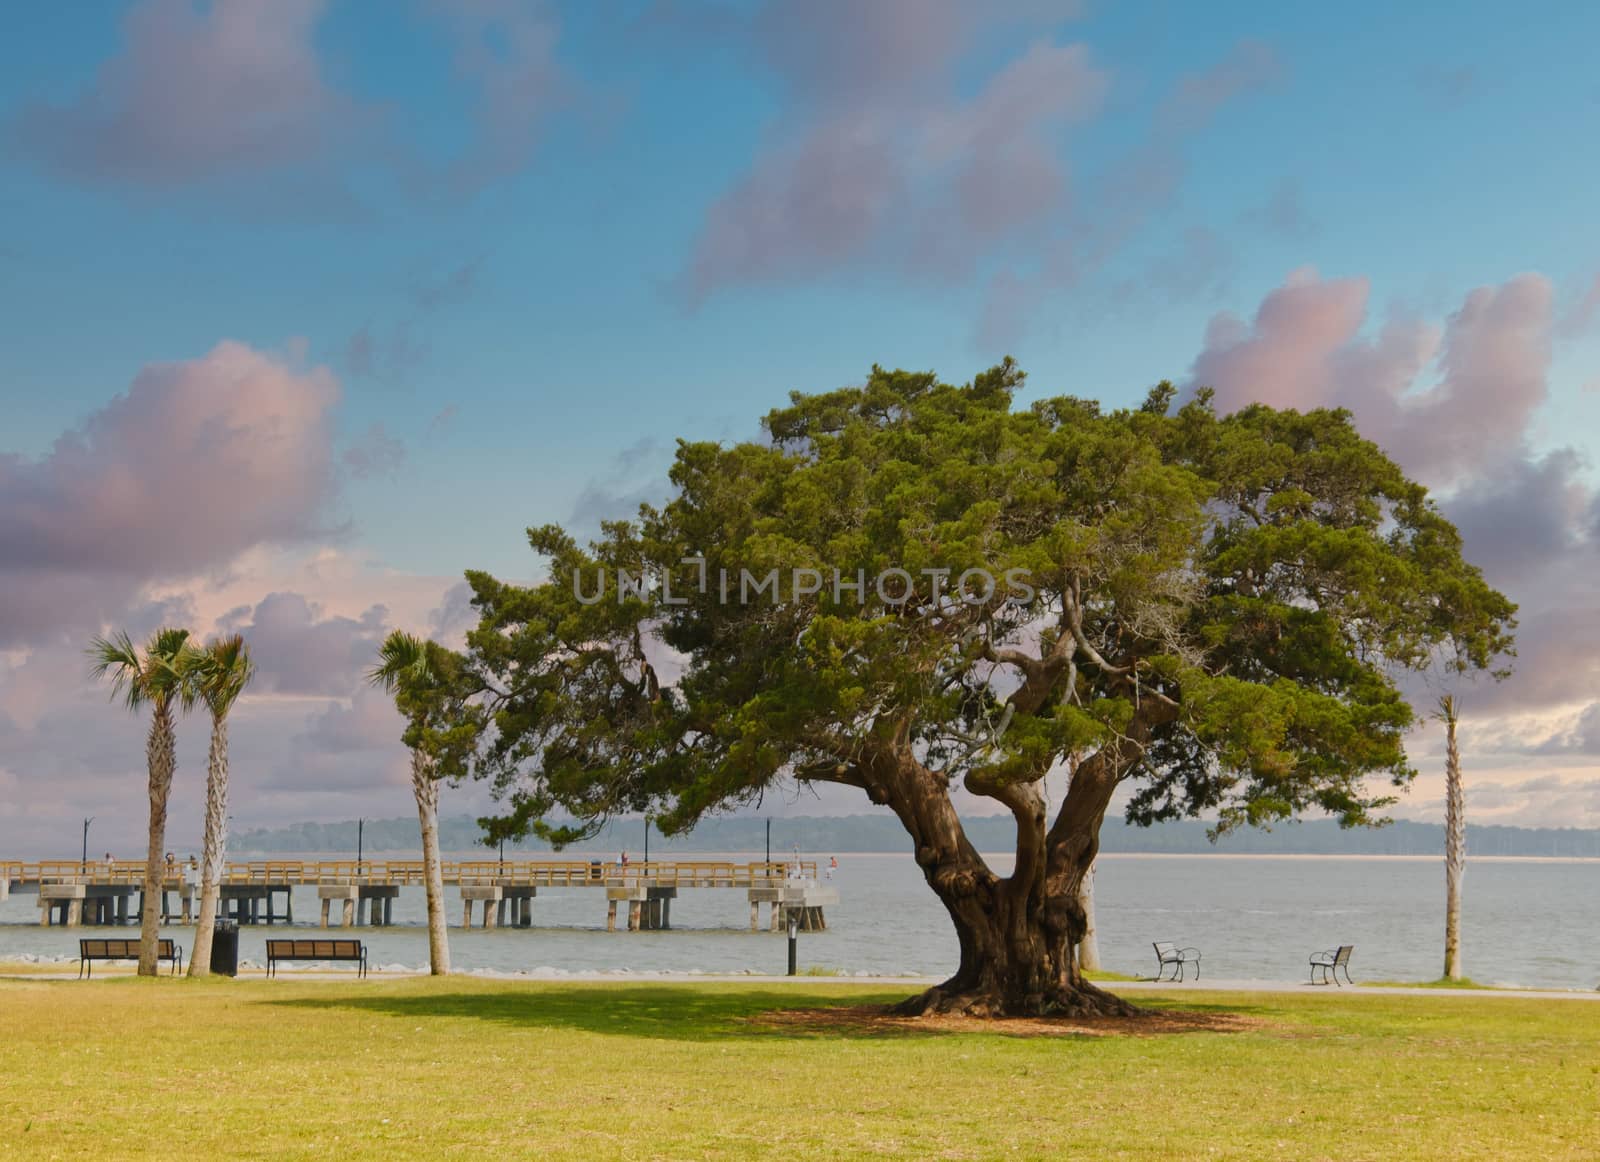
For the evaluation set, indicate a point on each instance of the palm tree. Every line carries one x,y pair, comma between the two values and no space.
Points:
220,672
1089,946
1455,839
414,671
157,677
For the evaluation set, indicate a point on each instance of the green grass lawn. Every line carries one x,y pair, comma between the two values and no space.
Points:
419,1068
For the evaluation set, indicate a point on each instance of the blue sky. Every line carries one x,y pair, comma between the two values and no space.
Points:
528,245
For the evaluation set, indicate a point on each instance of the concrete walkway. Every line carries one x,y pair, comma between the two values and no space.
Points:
1142,987
1302,988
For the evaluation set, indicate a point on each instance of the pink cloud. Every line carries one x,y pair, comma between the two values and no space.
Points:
878,153
1080,237
197,91
235,91
309,725
1456,404
300,648
1306,347
197,462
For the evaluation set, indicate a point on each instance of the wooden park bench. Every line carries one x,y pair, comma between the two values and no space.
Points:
1169,955
1330,962
91,950
351,950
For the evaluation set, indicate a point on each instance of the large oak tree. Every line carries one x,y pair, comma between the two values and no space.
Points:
1214,615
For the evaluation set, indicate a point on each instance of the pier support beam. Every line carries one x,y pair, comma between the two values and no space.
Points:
61,903
634,895
185,893
377,904
808,900
773,898
346,893
517,901
491,896
657,911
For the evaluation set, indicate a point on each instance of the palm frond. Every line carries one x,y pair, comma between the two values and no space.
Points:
167,666
219,672
403,662
117,657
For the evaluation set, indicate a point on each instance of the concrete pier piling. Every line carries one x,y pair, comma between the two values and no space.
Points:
185,894
347,894
375,906
634,895
61,904
516,905
656,913
809,900
491,897
773,898
257,903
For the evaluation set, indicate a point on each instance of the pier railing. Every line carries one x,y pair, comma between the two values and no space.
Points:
554,873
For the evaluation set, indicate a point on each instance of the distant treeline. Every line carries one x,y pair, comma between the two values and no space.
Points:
827,835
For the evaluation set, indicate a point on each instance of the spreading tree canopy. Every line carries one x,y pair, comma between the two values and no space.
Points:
910,587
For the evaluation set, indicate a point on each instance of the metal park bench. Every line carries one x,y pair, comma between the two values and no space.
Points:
350,950
1330,962
91,950
1169,955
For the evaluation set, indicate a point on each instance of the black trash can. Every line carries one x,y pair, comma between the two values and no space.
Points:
225,947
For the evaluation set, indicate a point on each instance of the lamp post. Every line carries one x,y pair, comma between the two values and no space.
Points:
793,916
361,826
83,867
769,840
647,839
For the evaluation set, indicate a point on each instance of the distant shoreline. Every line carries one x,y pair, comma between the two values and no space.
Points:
824,853
874,834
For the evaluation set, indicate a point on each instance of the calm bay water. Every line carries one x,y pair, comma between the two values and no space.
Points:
1525,922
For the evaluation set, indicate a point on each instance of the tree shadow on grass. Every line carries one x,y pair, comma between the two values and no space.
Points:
687,1014
669,1013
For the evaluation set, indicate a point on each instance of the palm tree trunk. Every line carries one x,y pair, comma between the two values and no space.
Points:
162,760
427,792
1089,946
211,852
1455,842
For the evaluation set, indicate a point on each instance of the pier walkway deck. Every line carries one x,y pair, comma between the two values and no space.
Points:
101,892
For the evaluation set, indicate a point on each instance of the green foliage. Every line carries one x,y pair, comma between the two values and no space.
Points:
435,693
219,672
1217,606
159,675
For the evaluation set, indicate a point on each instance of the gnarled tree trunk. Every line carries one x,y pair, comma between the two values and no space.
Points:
1016,959
162,760
1017,934
1455,841
212,847
427,792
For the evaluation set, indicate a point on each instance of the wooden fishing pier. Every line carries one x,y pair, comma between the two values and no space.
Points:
638,895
